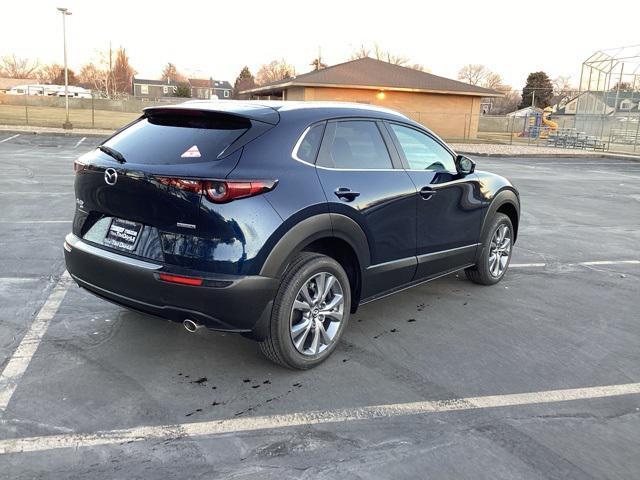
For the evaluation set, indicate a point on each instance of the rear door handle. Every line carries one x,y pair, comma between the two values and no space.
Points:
427,192
347,194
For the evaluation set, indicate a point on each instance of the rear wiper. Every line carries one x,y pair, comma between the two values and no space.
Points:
112,153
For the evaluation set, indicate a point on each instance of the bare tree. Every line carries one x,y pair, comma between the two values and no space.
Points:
90,74
49,73
479,75
274,71
361,52
492,80
473,74
171,73
123,72
562,85
418,66
16,67
381,54
507,103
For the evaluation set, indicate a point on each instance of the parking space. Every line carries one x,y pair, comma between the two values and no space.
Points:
108,393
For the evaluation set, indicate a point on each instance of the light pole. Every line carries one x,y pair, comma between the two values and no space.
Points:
64,11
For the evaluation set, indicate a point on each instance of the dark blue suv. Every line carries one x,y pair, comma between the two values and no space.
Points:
277,220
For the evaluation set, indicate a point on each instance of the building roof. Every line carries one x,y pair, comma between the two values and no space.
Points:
223,84
369,73
143,81
9,83
200,82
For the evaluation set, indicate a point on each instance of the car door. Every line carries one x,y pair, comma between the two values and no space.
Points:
363,179
449,206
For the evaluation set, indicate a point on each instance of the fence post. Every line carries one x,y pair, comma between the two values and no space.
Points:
635,142
513,121
26,106
93,113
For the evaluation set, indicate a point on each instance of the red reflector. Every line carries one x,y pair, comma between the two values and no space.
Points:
196,282
67,247
77,166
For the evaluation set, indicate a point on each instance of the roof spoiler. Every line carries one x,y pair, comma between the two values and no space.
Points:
255,112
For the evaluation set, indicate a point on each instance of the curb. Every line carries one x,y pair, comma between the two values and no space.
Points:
56,131
611,156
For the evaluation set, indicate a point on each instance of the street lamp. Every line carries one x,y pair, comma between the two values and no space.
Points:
65,11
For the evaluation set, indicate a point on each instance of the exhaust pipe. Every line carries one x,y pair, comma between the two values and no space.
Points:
191,326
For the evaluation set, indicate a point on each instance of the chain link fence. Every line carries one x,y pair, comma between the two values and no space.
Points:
615,133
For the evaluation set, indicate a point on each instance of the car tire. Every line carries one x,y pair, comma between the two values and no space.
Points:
291,319
494,257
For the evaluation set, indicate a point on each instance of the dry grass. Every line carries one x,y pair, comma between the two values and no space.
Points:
55,117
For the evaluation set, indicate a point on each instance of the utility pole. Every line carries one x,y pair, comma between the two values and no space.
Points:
64,11
533,98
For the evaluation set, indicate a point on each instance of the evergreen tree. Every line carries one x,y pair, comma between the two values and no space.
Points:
540,83
244,81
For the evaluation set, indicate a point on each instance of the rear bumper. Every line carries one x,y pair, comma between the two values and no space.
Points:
225,302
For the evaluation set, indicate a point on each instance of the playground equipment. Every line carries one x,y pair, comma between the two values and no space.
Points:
537,124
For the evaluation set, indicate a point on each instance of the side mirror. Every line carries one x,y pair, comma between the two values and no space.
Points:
464,165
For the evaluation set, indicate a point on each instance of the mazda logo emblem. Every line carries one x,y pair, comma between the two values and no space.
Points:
110,176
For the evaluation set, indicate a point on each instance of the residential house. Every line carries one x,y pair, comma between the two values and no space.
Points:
211,88
153,89
618,104
449,107
222,89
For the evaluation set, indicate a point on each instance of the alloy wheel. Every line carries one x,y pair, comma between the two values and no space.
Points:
500,250
317,313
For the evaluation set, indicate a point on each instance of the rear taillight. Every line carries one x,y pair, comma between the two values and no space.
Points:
221,191
226,191
182,184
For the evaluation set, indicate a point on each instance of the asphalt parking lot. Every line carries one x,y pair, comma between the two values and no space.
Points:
423,386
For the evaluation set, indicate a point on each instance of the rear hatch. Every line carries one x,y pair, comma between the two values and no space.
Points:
144,183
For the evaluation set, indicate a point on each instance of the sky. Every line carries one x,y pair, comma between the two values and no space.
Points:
209,38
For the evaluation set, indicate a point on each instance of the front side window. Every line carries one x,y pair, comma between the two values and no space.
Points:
421,151
356,144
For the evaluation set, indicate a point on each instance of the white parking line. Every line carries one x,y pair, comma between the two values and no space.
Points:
9,138
20,222
582,264
79,142
50,194
21,358
374,412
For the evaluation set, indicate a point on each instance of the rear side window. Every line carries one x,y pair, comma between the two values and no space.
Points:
165,140
356,144
308,147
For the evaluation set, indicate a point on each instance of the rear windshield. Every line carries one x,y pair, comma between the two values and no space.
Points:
167,140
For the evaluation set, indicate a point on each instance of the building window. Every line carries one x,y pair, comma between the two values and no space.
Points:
226,94
144,89
626,105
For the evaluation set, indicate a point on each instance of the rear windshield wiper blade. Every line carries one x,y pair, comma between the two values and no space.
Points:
112,153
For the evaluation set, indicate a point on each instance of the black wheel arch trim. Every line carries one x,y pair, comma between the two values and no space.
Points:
324,225
504,196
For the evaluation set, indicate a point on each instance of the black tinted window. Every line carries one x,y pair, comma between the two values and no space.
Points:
356,144
174,140
308,148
